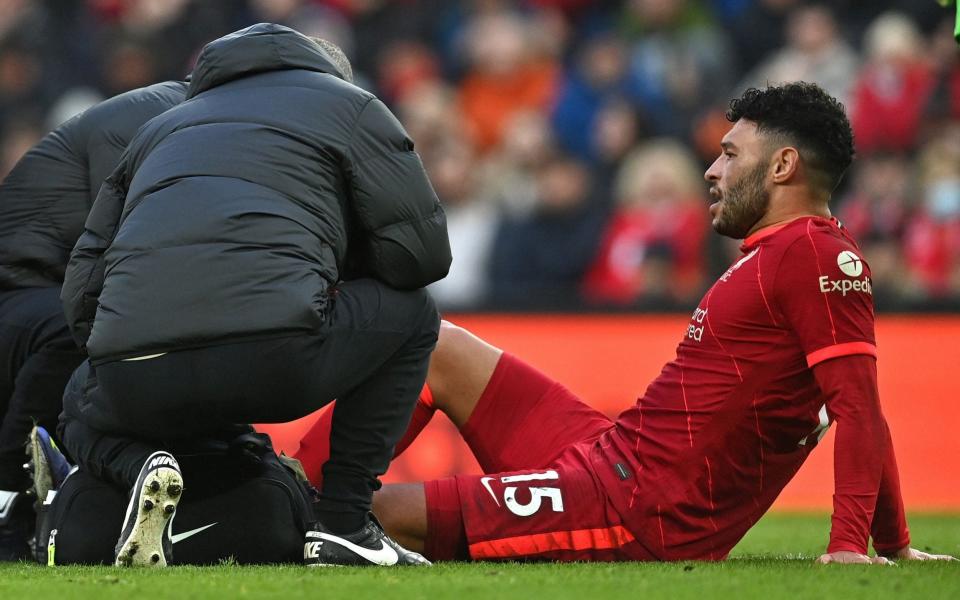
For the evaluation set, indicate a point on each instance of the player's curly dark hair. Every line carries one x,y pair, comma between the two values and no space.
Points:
806,116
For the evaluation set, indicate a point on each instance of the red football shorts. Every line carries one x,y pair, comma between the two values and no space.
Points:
540,499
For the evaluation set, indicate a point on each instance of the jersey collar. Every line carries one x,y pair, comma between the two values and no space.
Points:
761,234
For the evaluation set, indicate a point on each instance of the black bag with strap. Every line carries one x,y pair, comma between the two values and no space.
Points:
241,504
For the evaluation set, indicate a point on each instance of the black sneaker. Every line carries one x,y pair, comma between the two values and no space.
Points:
369,546
145,537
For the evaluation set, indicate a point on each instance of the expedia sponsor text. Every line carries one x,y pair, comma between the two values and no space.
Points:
844,286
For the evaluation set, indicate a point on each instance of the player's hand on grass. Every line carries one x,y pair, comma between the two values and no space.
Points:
909,553
851,558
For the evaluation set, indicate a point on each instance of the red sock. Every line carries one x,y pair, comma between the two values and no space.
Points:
422,413
446,536
314,447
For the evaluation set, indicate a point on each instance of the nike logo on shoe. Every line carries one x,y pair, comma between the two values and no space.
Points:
385,556
163,460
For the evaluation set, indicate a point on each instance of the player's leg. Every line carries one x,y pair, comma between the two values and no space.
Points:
461,368
402,510
37,356
511,415
314,449
113,458
556,513
152,475
524,419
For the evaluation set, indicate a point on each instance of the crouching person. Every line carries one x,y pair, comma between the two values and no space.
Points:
260,250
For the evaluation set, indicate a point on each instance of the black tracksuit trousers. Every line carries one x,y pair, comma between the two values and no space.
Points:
371,355
37,356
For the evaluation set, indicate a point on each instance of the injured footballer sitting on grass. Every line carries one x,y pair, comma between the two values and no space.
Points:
781,347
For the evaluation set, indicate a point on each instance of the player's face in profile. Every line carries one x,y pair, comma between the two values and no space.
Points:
738,182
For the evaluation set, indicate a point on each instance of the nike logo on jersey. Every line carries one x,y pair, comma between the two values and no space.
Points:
179,537
385,555
485,482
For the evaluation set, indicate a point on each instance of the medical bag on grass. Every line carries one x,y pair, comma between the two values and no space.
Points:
240,504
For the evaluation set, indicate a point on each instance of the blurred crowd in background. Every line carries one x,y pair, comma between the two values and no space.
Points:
567,139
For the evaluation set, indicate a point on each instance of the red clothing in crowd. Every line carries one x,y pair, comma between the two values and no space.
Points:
887,106
932,251
677,231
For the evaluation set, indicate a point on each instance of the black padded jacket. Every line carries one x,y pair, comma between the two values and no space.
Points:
232,215
45,199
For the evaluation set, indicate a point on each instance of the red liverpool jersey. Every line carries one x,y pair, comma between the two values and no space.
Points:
715,438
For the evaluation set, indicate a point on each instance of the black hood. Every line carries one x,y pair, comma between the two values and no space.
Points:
256,49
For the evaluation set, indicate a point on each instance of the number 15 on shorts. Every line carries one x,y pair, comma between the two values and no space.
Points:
538,493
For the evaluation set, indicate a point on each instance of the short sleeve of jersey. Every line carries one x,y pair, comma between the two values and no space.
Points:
824,291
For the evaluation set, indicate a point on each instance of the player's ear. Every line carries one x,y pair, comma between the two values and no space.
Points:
786,163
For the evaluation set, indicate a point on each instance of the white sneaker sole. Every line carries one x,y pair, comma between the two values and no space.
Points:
144,546
42,476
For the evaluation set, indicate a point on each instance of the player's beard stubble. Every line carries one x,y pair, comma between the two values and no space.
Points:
743,204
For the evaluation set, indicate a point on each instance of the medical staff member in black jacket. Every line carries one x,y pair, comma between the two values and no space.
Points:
44,202
260,250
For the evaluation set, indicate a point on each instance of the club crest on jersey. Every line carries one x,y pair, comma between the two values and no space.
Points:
695,329
738,264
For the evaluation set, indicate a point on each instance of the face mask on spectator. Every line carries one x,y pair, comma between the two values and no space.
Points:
943,199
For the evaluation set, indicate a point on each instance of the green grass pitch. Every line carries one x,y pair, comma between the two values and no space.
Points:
774,561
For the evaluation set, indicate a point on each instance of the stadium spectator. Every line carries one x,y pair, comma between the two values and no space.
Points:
654,242
679,59
876,211
893,89
543,254
944,105
597,78
406,66
507,75
815,52
757,32
471,222
932,241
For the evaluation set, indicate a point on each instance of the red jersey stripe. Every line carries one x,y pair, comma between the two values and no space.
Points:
826,301
834,351
527,545
763,294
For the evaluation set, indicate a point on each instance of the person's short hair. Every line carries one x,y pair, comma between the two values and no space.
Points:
340,60
806,116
